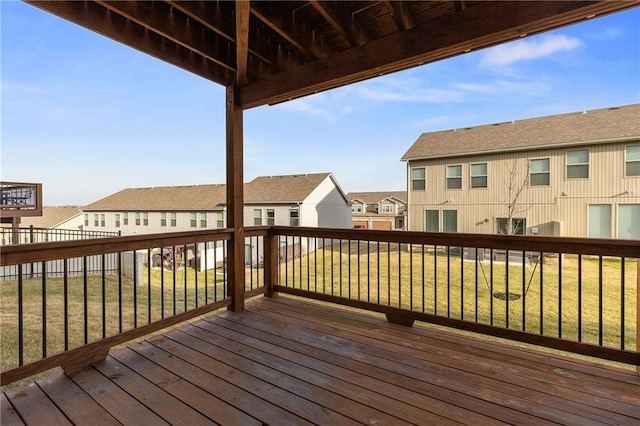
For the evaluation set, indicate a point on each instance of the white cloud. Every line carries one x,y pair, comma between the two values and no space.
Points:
393,89
502,87
523,50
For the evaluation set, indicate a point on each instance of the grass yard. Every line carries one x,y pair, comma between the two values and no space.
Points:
124,304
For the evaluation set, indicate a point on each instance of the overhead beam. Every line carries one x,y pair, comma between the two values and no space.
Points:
342,24
112,25
439,39
297,38
400,14
177,28
242,40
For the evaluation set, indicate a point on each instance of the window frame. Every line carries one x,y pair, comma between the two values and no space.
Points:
163,218
193,219
547,172
86,219
422,179
257,217
444,223
138,219
627,161
271,220
577,165
96,220
387,208
485,175
117,220
453,178
426,220
173,218
125,218
219,220
145,218
103,220
294,218
203,219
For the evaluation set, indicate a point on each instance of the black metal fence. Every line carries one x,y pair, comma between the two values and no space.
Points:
33,235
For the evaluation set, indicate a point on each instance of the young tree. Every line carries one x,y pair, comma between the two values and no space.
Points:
515,184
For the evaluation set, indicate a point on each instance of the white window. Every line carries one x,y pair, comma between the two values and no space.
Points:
450,220
629,221
539,172
418,179
294,217
145,219
387,208
138,218
454,177
518,225
194,220
271,217
174,220
577,163
632,160
103,221
599,221
163,219
356,208
257,217
117,220
86,219
203,220
95,219
479,175
431,220
125,218
219,220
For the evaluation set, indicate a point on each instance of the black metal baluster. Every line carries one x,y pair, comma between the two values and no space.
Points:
541,294
523,291
622,299
85,301
448,281
506,281
399,276
435,279
491,286
186,277
149,265
579,298
349,268
120,292
462,283
476,285
20,318
410,277
560,295
44,309
103,279
174,278
422,281
135,291
65,291
600,301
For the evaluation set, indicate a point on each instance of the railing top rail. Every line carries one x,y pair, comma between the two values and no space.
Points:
571,245
27,253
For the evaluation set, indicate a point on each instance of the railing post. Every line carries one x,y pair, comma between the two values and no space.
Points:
637,309
270,263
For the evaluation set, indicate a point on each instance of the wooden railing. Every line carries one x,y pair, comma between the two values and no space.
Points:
577,295
573,294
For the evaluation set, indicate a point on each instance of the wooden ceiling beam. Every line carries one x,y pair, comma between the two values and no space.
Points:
242,40
297,38
440,38
109,24
175,27
343,24
400,14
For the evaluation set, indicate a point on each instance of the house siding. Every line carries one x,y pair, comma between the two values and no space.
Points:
557,209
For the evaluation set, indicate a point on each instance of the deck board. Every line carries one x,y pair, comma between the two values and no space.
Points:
289,361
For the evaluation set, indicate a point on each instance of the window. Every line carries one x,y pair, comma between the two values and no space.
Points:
599,221
138,218
418,179
387,208
203,220
356,208
399,223
479,175
294,217
145,219
271,217
103,221
174,220
539,172
95,219
219,220
117,220
632,161
577,163
518,226
629,221
257,217
454,177
125,218
450,220
86,219
431,220
163,219
194,220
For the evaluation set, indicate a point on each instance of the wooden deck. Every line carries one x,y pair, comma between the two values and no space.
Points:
285,361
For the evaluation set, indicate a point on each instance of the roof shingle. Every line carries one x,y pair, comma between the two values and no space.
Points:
595,126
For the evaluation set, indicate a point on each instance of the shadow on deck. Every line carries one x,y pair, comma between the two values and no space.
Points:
286,361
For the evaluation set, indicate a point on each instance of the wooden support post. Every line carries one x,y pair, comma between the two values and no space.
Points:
270,263
235,201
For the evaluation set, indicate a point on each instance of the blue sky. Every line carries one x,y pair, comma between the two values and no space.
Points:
88,117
